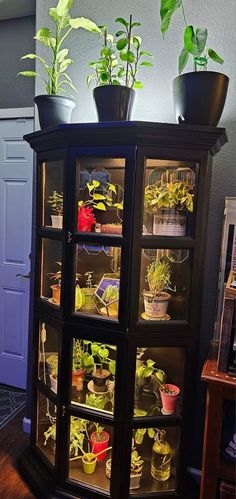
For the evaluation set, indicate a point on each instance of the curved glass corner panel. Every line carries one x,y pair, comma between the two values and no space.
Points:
159,381
165,279
93,375
100,195
52,194
48,355
97,280
154,460
51,268
169,198
90,453
46,426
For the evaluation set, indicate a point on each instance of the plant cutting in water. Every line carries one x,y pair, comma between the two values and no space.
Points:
195,39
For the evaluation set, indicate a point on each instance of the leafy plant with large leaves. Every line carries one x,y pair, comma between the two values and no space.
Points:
195,39
56,78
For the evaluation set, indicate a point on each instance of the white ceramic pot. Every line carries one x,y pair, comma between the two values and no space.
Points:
155,306
57,221
169,223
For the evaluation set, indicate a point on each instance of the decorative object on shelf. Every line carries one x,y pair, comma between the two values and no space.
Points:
99,201
161,457
199,96
56,288
169,202
99,441
107,293
79,297
111,228
54,108
56,202
158,279
115,72
169,396
88,304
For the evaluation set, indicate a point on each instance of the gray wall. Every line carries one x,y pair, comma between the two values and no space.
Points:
16,40
154,103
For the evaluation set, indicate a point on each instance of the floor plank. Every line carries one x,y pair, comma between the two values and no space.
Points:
12,443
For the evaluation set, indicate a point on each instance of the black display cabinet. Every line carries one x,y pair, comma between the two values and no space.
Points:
116,307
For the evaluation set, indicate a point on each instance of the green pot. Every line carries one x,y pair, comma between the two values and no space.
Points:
89,466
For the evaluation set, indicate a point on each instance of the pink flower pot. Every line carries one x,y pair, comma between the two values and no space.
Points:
98,445
169,399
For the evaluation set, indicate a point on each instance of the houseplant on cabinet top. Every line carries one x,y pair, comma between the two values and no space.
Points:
54,108
199,96
116,72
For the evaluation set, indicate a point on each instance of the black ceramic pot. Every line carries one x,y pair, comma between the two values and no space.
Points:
114,102
53,109
199,97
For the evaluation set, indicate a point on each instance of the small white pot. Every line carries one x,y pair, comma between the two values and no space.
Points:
57,221
156,306
169,223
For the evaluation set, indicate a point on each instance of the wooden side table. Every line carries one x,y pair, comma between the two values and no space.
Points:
220,386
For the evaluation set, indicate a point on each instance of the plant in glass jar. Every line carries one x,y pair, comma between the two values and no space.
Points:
156,299
104,368
56,202
169,202
99,199
169,396
161,456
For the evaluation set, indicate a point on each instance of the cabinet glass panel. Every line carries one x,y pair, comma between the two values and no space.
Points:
169,194
48,355
97,280
93,375
52,193
158,381
90,453
164,284
153,460
46,426
50,289
100,195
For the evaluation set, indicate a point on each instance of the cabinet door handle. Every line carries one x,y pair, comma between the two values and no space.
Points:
25,276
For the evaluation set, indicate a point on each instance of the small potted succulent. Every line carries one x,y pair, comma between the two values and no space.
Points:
199,96
99,440
100,199
54,108
169,396
169,202
56,202
103,369
56,288
156,299
136,467
116,71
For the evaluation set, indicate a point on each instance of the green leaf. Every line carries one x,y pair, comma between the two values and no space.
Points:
122,43
119,206
90,78
183,59
33,56
195,43
201,38
62,54
146,63
65,64
151,432
122,21
115,82
168,7
130,56
44,35
100,206
63,7
136,41
147,372
96,183
112,367
135,24
119,33
82,22
28,73
112,188
104,77
90,187
215,57
137,84
124,55
103,352
98,197
105,52
144,52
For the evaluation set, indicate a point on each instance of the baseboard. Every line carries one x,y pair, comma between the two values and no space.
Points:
26,425
195,474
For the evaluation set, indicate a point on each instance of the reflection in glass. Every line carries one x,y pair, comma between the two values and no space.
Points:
168,198
52,194
164,284
46,426
100,194
90,451
98,280
51,271
48,355
153,459
93,375
158,381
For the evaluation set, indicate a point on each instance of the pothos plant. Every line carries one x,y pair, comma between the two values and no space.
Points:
55,67
195,39
101,198
121,57
178,195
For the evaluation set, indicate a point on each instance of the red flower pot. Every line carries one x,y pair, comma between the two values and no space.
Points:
169,399
98,443
86,219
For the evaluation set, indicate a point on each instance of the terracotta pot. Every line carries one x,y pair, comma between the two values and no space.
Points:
156,306
98,446
56,294
57,221
169,400
78,378
169,223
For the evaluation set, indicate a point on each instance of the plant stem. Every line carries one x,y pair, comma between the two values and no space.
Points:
129,38
185,20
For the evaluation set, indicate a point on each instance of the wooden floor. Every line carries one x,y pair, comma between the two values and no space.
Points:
12,442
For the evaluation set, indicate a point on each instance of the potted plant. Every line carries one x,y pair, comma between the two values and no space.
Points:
52,107
101,374
82,362
199,96
147,374
156,299
169,202
99,441
136,467
99,199
169,395
56,288
56,202
116,70
52,362
88,304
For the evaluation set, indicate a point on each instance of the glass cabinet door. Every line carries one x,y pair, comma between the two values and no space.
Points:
46,426
52,194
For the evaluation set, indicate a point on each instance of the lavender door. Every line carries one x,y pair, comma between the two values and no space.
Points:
16,172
